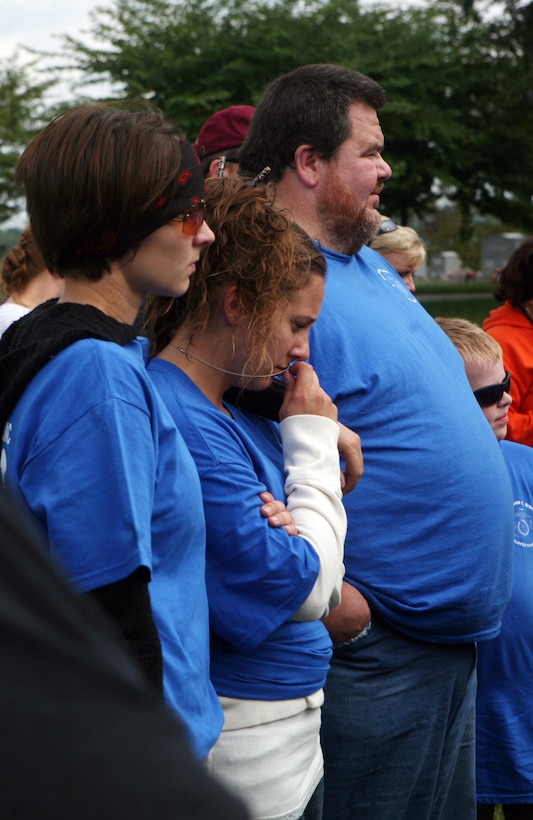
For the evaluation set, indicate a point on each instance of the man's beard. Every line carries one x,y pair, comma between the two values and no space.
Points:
346,225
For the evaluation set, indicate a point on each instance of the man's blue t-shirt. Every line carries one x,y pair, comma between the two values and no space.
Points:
430,522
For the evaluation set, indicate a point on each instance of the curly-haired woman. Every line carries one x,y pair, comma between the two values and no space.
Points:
245,319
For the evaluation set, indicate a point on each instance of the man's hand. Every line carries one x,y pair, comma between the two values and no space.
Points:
351,452
348,619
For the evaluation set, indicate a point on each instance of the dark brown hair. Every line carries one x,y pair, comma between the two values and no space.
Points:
91,171
258,248
310,105
22,263
515,281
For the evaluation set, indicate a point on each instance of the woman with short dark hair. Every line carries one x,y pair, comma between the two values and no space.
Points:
115,200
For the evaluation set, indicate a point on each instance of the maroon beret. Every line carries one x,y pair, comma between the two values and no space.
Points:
224,129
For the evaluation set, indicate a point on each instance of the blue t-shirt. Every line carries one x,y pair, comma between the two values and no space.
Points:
258,576
504,733
430,522
91,453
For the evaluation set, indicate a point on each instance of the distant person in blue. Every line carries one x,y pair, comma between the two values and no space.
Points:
429,543
247,317
504,731
90,453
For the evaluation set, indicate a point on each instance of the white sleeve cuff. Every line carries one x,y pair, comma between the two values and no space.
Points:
314,497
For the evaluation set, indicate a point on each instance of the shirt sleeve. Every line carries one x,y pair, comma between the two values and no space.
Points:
314,498
96,502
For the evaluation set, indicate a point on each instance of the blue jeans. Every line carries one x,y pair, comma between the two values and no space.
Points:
398,729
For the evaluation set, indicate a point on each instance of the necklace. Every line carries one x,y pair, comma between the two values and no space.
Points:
230,372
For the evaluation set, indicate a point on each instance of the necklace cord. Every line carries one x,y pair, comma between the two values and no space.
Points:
231,372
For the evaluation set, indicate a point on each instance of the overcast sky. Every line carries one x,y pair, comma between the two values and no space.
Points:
34,23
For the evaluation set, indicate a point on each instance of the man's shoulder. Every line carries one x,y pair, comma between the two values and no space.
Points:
365,260
364,256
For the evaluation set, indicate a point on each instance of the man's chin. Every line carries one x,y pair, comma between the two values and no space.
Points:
368,227
373,221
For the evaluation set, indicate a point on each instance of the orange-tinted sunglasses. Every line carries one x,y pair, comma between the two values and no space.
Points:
192,219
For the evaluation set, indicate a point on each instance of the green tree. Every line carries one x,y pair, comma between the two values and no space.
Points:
491,172
191,59
457,123
23,111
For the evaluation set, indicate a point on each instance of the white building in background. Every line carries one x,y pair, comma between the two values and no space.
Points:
496,250
444,265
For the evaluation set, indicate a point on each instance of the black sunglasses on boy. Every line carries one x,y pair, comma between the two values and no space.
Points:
492,393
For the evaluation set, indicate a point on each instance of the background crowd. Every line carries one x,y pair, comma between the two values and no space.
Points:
184,428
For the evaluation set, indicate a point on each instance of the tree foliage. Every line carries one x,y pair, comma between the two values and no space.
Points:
22,114
458,121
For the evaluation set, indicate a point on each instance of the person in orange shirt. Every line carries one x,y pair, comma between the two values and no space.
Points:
512,326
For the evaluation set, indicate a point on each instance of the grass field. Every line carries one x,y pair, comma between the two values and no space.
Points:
467,300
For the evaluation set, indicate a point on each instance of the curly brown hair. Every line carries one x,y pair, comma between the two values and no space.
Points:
258,248
22,263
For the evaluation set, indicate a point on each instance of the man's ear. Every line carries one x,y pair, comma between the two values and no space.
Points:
231,305
307,165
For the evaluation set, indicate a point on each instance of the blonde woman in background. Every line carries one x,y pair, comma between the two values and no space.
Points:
401,247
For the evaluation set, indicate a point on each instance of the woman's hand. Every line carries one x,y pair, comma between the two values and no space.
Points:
277,514
351,452
303,394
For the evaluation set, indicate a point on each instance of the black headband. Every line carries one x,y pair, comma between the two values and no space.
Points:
187,189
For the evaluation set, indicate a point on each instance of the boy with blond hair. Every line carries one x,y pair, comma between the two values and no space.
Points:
504,733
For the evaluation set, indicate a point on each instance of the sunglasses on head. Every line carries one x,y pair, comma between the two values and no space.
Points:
492,393
192,219
387,226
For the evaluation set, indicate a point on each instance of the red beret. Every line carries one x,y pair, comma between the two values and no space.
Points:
224,129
